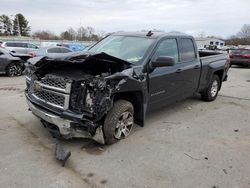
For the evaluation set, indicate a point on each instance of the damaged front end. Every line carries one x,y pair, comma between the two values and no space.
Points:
72,94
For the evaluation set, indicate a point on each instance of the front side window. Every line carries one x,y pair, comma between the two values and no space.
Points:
167,47
187,50
128,48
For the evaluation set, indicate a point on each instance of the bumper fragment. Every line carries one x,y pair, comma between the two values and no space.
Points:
64,125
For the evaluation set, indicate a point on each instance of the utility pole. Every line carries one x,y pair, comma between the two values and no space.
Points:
80,29
18,25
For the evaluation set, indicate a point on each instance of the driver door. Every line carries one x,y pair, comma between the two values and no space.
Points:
164,83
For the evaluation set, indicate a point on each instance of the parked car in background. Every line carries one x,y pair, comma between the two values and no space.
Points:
75,47
10,64
48,51
240,57
19,47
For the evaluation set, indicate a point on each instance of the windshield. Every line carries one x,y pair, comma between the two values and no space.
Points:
131,49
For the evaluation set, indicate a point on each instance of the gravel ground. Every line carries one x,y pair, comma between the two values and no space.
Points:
189,144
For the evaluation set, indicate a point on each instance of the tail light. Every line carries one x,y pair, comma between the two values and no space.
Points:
246,55
33,54
231,55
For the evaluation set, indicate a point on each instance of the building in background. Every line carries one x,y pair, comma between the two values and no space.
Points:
210,43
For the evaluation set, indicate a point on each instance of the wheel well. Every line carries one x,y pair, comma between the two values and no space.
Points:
137,101
220,74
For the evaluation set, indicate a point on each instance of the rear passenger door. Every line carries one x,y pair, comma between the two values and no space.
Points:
189,66
21,47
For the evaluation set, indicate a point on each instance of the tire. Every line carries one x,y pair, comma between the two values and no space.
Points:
212,90
118,122
14,69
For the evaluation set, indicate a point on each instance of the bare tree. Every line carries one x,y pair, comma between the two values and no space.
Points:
245,31
72,33
45,35
201,34
81,33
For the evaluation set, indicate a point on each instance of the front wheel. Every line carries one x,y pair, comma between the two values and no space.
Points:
118,122
212,90
14,69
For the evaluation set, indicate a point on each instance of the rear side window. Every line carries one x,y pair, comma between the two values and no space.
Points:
65,50
16,44
32,46
54,50
167,47
11,44
187,50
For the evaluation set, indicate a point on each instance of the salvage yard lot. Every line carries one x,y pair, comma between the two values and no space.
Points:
189,144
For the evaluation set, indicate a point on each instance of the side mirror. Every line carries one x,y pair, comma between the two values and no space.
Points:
163,61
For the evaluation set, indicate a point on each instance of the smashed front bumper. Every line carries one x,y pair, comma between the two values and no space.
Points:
64,126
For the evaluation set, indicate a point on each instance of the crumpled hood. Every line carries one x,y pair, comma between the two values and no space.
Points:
77,57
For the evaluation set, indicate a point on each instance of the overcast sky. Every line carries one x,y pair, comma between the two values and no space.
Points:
213,17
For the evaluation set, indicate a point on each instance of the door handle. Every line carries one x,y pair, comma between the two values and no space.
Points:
196,66
178,70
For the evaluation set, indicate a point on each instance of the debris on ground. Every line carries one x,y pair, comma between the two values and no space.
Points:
191,156
61,154
224,170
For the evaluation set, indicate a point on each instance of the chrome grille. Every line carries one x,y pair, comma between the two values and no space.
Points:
56,83
51,90
50,98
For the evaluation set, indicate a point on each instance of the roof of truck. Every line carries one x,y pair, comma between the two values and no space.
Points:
151,34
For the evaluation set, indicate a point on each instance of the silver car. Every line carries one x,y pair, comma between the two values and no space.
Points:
19,47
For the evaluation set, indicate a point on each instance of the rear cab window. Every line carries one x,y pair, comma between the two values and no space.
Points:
187,50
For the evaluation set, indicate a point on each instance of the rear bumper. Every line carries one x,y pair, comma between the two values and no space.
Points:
65,128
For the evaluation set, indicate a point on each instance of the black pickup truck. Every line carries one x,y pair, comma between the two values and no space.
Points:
101,93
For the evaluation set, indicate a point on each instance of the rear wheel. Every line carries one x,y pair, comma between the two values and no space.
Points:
14,69
119,122
212,90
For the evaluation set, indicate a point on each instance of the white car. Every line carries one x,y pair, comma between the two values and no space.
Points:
19,47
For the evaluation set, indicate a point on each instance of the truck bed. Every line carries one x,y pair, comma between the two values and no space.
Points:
211,60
